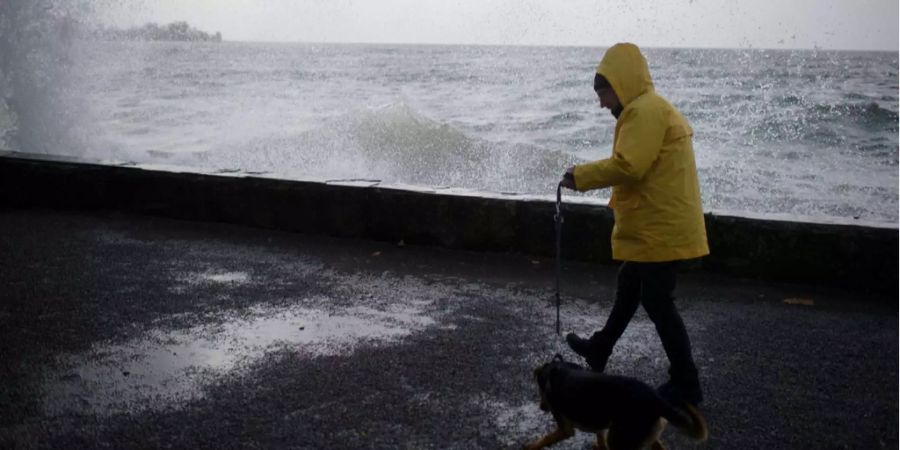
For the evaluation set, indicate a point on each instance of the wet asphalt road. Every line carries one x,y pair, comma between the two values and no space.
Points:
134,332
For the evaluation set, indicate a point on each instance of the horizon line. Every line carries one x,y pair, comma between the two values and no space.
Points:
674,47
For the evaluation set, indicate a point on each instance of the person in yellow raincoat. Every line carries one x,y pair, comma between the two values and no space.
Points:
657,209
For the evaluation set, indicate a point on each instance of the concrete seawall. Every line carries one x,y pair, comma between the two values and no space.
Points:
843,254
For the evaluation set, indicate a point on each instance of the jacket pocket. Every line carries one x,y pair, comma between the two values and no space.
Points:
623,198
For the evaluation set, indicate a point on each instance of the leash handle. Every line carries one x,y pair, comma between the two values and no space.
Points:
558,218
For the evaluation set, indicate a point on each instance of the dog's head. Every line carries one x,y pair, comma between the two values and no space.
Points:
542,377
545,374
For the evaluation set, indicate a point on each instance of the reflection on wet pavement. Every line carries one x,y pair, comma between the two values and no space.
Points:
162,368
225,277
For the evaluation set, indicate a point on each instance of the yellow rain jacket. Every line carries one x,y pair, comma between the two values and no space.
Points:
656,194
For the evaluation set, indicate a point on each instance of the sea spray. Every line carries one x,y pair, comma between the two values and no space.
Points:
38,111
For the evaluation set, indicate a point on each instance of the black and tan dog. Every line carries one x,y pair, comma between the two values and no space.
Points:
626,413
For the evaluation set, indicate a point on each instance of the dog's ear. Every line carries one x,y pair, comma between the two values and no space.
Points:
555,370
538,370
549,376
543,373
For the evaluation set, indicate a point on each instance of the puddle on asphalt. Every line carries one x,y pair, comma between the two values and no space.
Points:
160,369
233,278
226,277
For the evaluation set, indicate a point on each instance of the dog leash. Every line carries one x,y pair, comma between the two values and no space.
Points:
558,218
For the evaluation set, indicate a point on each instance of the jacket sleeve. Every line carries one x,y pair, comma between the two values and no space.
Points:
638,144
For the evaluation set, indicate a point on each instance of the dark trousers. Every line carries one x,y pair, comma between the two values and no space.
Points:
651,285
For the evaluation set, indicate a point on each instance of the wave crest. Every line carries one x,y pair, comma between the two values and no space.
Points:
838,124
396,144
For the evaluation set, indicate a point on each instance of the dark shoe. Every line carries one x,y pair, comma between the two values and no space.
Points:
679,392
595,350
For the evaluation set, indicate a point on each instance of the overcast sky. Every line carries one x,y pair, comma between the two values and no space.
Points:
827,24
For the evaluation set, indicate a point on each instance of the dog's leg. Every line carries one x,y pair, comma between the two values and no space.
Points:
633,435
553,437
601,441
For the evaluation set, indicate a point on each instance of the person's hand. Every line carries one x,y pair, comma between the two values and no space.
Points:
568,179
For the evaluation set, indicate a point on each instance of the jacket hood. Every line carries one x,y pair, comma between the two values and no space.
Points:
625,68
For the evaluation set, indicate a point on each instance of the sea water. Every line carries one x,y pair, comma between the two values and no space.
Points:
809,133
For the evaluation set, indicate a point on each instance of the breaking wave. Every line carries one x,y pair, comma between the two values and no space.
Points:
395,144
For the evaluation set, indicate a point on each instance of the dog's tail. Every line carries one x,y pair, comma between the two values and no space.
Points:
688,421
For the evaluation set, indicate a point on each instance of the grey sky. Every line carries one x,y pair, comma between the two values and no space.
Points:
828,24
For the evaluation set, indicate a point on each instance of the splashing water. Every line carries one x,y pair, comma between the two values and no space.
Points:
39,105
807,133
